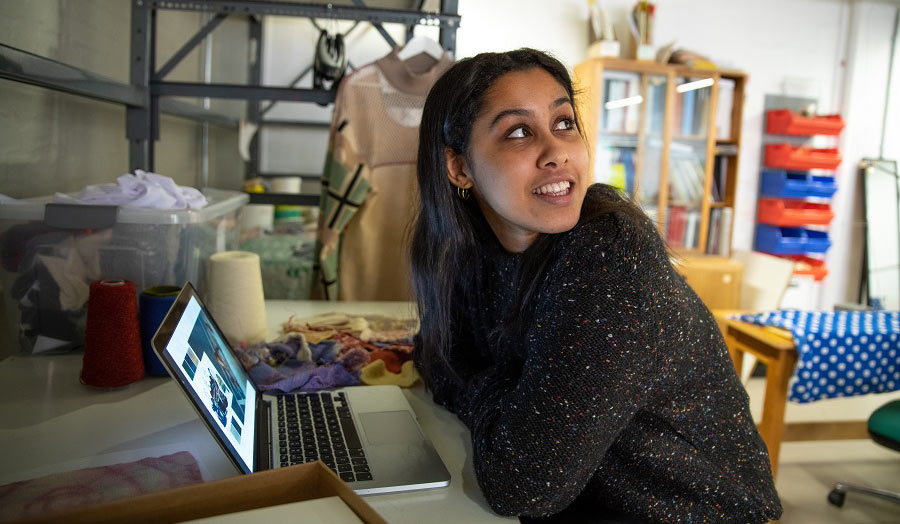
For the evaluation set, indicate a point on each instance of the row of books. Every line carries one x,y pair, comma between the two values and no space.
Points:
620,119
615,166
686,176
625,119
683,227
691,109
718,239
720,178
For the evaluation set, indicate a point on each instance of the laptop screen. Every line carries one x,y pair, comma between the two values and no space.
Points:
215,379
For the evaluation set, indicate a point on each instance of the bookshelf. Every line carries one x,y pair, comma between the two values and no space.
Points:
669,137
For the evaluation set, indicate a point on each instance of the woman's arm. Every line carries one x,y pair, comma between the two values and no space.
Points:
591,361
447,378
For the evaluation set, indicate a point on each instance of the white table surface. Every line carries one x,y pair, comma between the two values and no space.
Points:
49,423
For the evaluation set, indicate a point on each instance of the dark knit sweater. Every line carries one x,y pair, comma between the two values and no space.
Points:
620,393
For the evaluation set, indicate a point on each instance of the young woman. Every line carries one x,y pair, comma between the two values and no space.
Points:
592,378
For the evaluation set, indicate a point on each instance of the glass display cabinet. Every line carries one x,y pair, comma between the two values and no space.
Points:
657,134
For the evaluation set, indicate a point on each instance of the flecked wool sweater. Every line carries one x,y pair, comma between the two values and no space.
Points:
619,394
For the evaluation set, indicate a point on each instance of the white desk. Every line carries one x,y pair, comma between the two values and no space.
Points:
49,423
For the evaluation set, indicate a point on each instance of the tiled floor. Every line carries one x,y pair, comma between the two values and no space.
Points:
808,470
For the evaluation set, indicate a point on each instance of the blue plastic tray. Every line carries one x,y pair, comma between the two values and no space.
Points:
796,184
790,240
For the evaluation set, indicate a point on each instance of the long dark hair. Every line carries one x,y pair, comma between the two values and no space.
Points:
449,233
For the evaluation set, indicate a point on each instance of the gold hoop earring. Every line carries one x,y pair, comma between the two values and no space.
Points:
462,192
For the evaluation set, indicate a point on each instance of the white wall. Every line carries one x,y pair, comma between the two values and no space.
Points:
871,30
558,27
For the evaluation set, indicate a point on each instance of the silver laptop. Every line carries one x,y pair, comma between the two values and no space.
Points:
368,435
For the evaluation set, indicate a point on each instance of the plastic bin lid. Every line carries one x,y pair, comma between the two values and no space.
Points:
221,202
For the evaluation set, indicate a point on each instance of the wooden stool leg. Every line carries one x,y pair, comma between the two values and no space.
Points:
771,428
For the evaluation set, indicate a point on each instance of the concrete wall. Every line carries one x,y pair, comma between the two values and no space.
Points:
52,142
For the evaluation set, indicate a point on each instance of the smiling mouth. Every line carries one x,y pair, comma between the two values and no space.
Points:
554,189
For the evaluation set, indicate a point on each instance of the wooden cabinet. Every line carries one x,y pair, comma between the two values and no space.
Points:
716,280
669,137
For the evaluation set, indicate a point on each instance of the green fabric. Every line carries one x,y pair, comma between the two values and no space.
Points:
885,421
286,264
339,183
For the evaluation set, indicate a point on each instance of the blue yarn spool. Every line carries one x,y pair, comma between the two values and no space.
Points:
154,304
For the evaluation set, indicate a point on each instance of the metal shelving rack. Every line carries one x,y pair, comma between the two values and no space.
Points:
143,120
148,93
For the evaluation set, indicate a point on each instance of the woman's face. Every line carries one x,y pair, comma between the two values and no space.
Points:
527,160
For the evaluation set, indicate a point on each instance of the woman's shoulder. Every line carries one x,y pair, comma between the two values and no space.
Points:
610,222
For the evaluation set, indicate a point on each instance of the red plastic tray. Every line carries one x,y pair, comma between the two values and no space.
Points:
786,122
809,266
801,157
806,265
783,212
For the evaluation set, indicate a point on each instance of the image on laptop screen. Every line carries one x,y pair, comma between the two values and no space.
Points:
214,376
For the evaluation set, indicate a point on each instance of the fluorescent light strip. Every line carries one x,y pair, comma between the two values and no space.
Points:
690,86
624,102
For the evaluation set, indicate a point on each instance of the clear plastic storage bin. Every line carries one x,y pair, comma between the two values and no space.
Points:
50,253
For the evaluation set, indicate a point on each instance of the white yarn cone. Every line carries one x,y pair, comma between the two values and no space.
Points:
235,296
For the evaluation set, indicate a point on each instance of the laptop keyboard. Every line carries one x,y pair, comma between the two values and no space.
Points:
318,426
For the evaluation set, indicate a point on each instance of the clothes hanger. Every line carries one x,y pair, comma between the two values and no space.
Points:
421,44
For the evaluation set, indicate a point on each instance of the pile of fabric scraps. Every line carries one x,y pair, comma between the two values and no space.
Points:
334,350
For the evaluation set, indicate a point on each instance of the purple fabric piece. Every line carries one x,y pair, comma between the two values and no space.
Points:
273,366
308,377
325,351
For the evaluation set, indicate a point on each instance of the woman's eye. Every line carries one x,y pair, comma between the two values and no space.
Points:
565,124
518,132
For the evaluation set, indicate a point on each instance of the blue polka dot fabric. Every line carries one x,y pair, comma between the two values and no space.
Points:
841,353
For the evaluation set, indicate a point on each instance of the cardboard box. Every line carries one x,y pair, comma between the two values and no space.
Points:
268,488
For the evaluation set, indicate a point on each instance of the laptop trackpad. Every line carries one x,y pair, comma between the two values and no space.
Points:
389,427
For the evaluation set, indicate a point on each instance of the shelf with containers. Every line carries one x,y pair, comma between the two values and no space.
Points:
51,252
796,186
657,133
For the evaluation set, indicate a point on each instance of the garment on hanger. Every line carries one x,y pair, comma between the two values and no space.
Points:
369,184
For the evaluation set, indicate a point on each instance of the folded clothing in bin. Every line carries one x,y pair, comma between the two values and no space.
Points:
50,255
142,189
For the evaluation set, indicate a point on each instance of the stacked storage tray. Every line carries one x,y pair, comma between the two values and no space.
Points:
785,209
787,122
796,184
790,240
785,212
801,157
807,265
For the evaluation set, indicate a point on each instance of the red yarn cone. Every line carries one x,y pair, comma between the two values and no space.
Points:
112,339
